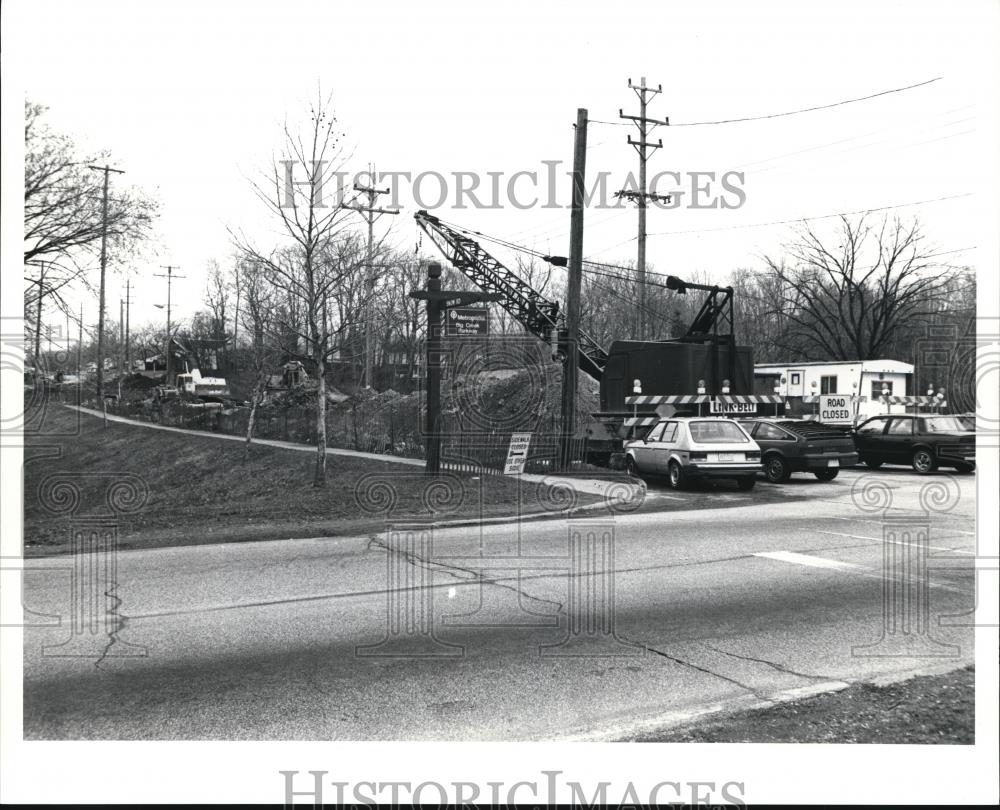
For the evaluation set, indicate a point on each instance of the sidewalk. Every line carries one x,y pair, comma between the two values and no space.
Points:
580,484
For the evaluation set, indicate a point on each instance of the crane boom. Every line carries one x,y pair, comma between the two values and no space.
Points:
539,316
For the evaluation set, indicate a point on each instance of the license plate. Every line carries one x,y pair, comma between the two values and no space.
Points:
725,456
833,462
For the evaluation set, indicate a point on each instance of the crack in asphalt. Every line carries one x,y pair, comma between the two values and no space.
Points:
774,665
690,665
474,576
114,616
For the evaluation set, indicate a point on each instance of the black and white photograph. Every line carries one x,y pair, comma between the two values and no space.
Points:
496,404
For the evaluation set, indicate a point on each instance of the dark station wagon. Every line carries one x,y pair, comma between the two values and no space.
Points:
925,442
801,445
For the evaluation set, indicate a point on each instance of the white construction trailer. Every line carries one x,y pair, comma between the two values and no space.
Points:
866,388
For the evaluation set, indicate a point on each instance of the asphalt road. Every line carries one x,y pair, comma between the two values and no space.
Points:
544,630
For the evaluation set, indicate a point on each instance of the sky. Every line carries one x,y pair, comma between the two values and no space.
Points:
190,98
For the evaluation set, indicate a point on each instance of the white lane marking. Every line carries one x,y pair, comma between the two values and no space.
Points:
804,559
894,542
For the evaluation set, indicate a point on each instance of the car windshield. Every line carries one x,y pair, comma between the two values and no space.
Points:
716,432
944,424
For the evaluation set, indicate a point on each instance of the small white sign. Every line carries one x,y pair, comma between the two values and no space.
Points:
733,407
517,453
836,408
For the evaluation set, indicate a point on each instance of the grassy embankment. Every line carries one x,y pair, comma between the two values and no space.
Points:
200,490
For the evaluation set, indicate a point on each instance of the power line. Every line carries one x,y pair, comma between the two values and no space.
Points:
822,216
791,221
789,112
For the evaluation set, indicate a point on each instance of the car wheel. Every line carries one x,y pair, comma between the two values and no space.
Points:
923,461
631,469
776,469
873,463
746,483
826,475
676,475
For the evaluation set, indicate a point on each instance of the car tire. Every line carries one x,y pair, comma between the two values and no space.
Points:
631,470
872,463
746,483
923,461
675,473
826,475
776,469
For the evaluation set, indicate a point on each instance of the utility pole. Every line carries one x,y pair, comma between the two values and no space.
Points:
128,307
169,276
79,352
369,212
104,266
643,147
121,345
38,318
574,274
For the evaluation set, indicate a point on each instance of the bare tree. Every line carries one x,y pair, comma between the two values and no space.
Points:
307,269
846,299
258,321
63,211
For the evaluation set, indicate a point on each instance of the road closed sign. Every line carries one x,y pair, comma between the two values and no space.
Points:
517,453
836,408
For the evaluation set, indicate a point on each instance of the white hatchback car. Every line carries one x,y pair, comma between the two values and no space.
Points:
690,448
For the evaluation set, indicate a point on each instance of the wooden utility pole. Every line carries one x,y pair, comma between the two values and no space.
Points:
169,276
104,266
574,275
643,147
369,212
128,307
121,344
38,318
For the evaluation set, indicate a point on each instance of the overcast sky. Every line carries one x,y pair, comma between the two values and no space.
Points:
190,96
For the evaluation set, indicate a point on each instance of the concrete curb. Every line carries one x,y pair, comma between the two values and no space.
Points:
680,719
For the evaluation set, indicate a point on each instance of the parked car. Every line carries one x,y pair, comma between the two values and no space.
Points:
924,441
968,420
801,445
687,449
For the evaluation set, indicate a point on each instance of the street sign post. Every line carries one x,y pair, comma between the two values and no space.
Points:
517,453
438,301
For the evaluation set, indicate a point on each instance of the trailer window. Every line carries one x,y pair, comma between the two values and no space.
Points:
828,384
716,432
877,386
